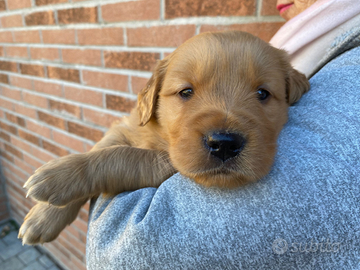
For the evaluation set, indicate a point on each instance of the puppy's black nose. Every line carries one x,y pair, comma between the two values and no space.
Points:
224,145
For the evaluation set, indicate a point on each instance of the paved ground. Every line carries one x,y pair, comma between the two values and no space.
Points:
15,256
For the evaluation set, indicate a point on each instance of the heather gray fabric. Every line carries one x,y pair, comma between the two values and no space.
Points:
303,215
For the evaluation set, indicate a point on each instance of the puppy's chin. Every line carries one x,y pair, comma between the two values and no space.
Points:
224,178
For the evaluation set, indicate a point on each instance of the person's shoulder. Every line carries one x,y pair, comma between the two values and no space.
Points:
344,47
342,68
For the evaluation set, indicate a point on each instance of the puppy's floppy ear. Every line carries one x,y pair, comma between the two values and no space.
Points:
296,85
147,98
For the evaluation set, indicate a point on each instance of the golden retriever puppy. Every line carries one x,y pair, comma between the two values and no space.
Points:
212,110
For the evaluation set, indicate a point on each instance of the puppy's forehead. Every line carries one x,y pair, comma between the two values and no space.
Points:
214,56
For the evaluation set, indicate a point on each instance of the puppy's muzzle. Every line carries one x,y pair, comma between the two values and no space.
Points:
224,145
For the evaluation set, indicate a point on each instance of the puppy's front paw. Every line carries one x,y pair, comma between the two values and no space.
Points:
60,181
41,225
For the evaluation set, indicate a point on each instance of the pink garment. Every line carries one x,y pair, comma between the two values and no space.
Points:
320,18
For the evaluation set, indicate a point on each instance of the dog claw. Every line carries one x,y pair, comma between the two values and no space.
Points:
28,182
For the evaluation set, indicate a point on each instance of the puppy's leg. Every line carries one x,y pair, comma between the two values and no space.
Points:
110,170
44,222
68,179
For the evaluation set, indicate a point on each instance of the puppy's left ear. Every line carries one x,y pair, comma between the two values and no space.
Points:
147,98
296,85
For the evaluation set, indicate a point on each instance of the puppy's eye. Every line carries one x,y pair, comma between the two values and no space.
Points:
186,93
263,94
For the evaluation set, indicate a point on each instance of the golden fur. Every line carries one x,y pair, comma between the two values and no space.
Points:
169,132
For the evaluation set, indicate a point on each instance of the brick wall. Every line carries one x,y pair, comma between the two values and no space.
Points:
68,68
4,205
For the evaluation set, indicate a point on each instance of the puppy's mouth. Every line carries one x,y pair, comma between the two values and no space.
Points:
225,168
228,174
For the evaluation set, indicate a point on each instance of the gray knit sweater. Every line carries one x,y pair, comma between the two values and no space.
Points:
304,215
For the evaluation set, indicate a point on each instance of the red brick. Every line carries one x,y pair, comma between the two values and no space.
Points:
99,118
33,70
3,207
6,37
7,104
80,224
105,80
58,252
131,11
71,75
35,100
6,156
40,18
85,132
4,216
44,53
17,4
48,88
16,185
21,82
2,7
49,2
65,108
84,57
10,93
191,8
79,264
21,109
16,200
4,78
269,8
13,151
21,52
73,230
8,66
22,165
62,240
84,215
131,60
4,136
29,137
52,120
103,36
83,95
41,154
86,206
11,21
264,31
118,103
62,253
38,128
75,241
28,36
2,53
89,146
62,36
33,162
15,119
162,36
54,149
78,15
68,141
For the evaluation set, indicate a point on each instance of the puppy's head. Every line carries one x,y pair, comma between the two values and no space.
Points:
220,101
